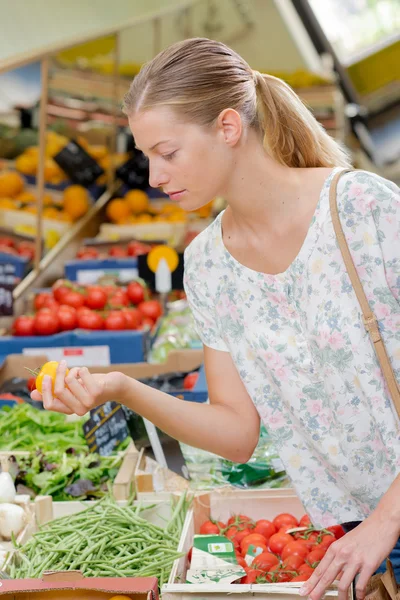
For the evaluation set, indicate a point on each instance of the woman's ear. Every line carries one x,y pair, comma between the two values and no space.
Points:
229,124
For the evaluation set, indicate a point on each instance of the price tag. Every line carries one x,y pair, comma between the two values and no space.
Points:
75,356
106,428
8,281
135,171
80,167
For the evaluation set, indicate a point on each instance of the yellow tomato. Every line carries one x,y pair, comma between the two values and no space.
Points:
49,368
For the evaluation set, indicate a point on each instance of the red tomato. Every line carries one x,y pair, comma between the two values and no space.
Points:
337,531
87,253
254,549
74,299
60,288
209,527
8,250
316,555
40,299
241,561
117,252
115,321
253,538
293,562
282,576
265,528
88,319
31,384
296,548
51,304
305,521
27,250
242,534
309,544
285,520
265,561
135,292
67,317
239,520
278,541
24,325
7,241
251,576
119,299
46,322
137,248
304,577
326,541
305,570
151,309
189,555
190,381
133,318
96,298
147,323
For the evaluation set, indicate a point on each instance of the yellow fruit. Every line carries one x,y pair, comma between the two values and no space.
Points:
30,208
117,210
32,151
26,164
49,212
83,142
97,151
26,197
51,238
168,207
76,201
138,201
161,219
177,217
64,217
52,170
26,229
8,204
145,218
11,183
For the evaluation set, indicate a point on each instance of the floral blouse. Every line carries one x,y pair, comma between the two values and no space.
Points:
301,349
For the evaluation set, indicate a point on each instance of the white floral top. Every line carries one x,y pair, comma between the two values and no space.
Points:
300,347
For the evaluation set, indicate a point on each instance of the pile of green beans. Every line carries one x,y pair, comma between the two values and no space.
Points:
105,540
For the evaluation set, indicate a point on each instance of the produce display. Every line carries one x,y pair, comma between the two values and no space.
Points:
14,513
100,251
105,540
69,306
277,551
176,331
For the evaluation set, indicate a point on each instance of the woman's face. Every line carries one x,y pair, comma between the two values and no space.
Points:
192,164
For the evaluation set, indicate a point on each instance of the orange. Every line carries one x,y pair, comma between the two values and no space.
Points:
117,210
138,201
145,218
8,204
97,152
76,201
26,164
52,170
177,217
64,217
30,208
26,197
49,212
11,183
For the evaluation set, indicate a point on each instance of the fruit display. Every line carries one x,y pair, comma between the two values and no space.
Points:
68,306
104,250
277,551
17,247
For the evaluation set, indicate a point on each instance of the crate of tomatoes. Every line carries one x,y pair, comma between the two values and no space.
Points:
240,541
70,316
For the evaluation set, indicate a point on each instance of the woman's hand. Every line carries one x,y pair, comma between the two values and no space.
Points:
79,391
359,553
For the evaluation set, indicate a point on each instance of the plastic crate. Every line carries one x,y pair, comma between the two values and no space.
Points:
90,271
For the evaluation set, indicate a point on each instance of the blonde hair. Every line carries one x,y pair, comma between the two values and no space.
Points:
199,78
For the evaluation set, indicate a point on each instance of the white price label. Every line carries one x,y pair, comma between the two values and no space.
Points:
80,356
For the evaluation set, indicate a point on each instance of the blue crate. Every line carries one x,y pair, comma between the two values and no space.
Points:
19,264
125,268
125,346
199,393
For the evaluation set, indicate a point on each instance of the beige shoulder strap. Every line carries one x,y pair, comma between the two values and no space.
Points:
370,320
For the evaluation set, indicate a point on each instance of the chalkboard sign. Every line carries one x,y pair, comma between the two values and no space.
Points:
78,164
8,281
106,428
135,171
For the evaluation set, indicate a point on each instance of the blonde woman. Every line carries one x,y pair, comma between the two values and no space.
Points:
282,330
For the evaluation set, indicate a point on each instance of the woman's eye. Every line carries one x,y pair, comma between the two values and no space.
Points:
169,156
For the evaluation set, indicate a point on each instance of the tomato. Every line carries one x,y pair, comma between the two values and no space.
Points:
40,299
265,528
190,380
285,520
326,541
251,576
309,544
24,325
67,317
88,319
265,561
8,250
278,541
49,368
117,252
31,384
135,292
305,570
133,318
209,527
138,248
254,549
6,241
305,521
282,576
151,309
87,253
337,531
51,304
119,299
27,250
241,561
241,534
253,538
240,519
304,577
46,322
60,288
115,321
293,562
96,298
147,323
189,555
74,299
316,555
296,548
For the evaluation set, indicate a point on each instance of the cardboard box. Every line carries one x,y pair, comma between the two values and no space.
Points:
71,585
221,504
151,477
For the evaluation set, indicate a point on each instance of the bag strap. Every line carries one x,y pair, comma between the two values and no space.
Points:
369,319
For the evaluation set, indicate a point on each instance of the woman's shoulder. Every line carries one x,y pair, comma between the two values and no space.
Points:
363,187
